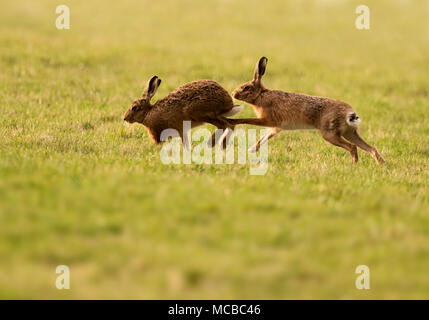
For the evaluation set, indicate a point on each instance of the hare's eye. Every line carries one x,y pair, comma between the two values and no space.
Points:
134,108
246,88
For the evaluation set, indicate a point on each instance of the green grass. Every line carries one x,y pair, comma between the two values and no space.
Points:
80,187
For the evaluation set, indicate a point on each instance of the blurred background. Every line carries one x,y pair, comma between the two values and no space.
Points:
79,187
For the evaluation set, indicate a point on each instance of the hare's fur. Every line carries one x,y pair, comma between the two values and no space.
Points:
279,110
203,101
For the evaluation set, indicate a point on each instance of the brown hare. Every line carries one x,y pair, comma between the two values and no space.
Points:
200,102
278,110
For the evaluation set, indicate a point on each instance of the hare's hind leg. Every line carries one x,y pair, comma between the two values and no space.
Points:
220,123
271,133
336,139
355,138
185,136
223,138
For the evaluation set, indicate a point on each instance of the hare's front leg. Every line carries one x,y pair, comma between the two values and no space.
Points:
253,121
271,133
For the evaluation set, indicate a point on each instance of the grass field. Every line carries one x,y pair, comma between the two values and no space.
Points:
80,187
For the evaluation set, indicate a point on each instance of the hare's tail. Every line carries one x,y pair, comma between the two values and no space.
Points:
353,120
236,109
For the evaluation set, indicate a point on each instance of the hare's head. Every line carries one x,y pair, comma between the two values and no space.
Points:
249,91
139,108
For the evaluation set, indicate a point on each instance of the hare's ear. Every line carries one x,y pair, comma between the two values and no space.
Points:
260,69
151,87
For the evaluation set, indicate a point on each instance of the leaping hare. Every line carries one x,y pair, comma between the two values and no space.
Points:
202,101
278,110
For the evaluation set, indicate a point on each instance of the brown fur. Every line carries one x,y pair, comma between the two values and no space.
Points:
289,111
202,101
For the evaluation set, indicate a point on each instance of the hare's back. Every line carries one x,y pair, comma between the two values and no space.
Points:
200,90
196,99
204,96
